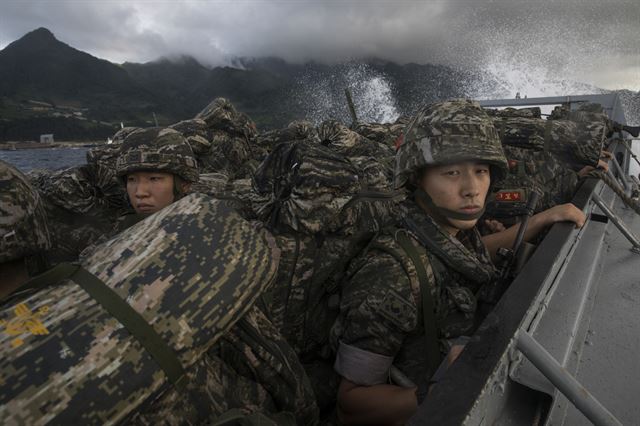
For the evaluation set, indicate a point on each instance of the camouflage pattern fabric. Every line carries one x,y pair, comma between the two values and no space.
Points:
543,157
289,292
312,267
386,134
530,171
449,132
101,170
23,225
77,210
299,130
313,199
238,193
345,141
231,155
220,114
254,348
303,302
304,129
122,134
303,186
195,131
380,310
73,188
532,112
576,144
158,149
60,348
377,174
251,368
210,183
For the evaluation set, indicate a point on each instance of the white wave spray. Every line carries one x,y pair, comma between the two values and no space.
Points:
320,95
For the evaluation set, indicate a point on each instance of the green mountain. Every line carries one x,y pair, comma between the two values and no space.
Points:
47,86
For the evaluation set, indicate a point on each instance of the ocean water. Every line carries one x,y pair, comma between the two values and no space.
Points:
46,158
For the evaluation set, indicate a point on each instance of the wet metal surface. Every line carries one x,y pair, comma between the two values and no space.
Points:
609,365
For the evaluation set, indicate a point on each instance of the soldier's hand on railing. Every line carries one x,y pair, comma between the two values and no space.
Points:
602,165
606,155
561,213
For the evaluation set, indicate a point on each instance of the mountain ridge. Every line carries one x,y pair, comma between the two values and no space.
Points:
47,85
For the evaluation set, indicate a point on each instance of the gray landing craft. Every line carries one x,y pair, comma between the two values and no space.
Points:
562,345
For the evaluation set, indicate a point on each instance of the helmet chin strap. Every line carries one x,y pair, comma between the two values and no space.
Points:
440,213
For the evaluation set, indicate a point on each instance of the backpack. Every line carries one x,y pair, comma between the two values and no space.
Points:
323,214
126,324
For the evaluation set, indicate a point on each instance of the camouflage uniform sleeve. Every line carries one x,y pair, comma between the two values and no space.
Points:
378,310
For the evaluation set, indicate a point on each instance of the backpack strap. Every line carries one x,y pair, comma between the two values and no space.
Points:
135,323
428,306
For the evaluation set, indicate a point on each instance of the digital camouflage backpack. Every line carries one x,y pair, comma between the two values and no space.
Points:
126,326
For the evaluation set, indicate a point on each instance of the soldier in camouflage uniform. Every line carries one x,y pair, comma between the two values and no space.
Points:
413,297
544,157
157,166
24,234
84,202
212,353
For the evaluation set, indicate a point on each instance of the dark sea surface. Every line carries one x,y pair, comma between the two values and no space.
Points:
46,158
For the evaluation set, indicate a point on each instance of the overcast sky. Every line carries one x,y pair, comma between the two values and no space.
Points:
591,41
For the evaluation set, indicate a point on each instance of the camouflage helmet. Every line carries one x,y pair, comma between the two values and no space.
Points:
23,225
449,132
122,134
157,149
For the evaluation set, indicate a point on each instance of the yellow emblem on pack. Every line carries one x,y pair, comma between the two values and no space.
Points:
25,321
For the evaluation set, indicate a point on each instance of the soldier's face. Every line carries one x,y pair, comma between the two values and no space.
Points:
461,187
150,191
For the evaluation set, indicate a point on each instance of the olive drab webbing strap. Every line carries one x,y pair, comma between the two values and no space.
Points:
57,273
120,310
428,307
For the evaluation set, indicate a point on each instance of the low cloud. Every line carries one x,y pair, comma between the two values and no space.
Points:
566,39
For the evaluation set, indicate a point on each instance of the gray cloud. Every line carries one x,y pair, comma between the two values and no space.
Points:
592,40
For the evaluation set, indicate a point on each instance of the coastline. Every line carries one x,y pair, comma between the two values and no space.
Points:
20,145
